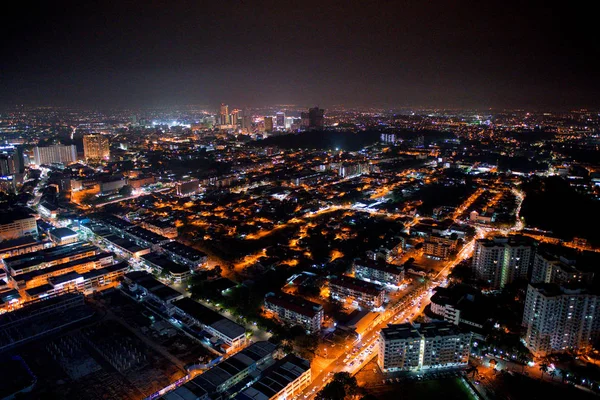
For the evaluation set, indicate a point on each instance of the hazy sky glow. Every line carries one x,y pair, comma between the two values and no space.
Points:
254,53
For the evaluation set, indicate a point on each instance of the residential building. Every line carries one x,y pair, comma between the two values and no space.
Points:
378,271
55,154
345,288
439,247
551,268
502,260
414,347
295,310
558,318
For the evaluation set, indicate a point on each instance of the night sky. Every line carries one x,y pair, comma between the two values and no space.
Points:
254,53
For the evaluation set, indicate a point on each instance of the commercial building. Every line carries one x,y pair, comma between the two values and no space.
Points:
414,347
62,236
287,378
16,224
295,310
185,255
87,282
314,118
268,124
48,257
145,238
161,227
23,245
558,318
378,271
96,148
124,247
222,380
187,188
231,335
551,268
42,276
502,260
345,288
163,265
280,119
146,287
55,154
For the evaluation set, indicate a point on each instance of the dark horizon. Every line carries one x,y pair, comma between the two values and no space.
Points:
385,54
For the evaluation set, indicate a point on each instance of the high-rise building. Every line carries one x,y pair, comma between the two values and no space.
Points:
502,260
55,154
96,147
280,117
247,123
268,124
408,347
316,118
553,268
224,114
234,117
559,318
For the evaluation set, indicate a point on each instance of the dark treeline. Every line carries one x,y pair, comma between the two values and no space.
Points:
344,140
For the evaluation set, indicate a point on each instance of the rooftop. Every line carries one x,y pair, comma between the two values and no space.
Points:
276,378
379,265
356,285
63,233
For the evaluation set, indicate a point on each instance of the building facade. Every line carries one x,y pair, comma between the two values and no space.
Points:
295,310
378,271
558,319
548,268
502,260
408,347
366,294
14,226
55,154
96,148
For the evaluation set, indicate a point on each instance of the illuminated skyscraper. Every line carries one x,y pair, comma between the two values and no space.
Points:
96,147
224,114
268,124
280,119
235,115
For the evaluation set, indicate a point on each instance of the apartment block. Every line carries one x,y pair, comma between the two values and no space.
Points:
295,310
414,347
